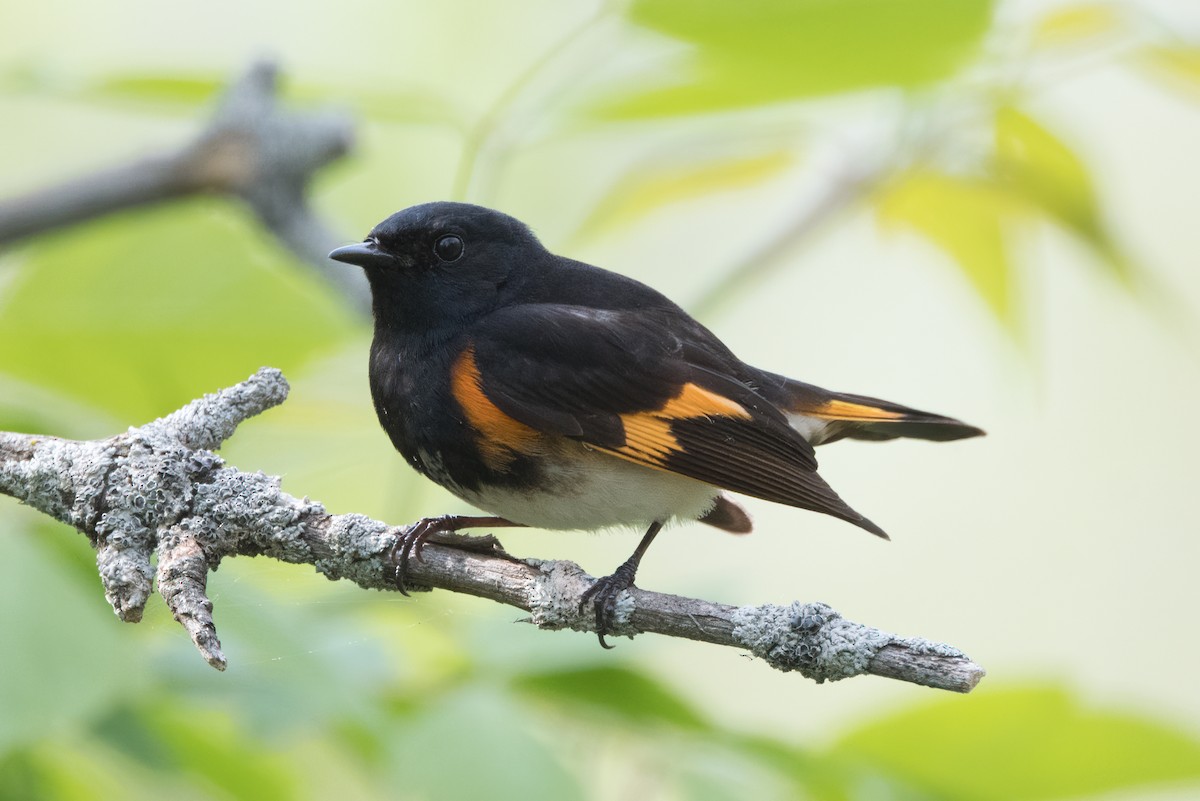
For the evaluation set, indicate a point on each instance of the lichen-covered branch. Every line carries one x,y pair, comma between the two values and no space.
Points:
157,494
251,148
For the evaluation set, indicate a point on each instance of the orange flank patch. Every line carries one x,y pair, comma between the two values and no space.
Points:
648,437
500,436
844,410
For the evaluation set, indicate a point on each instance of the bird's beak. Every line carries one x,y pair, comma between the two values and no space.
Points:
364,254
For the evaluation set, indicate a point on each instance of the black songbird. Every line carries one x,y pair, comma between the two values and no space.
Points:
555,394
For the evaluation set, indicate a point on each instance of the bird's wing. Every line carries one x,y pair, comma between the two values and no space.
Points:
627,383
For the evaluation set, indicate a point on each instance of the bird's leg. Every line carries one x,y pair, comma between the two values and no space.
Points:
411,540
603,593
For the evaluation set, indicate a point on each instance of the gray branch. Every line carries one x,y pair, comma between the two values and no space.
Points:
158,495
251,149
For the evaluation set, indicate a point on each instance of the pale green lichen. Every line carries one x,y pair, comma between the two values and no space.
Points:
356,546
554,600
810,638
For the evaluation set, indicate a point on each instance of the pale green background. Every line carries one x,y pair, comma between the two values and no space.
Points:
1064,546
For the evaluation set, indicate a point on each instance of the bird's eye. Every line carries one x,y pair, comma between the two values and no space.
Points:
448,247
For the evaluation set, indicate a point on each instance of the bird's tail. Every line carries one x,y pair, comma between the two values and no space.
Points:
823,416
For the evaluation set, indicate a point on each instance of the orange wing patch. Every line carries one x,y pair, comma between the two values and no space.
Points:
696,401
500,436
648,437
845,410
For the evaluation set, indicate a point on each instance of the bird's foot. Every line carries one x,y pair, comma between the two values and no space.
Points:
410,542
444,528
603,596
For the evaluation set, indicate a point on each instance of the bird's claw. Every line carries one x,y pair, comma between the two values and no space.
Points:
603,595
409,543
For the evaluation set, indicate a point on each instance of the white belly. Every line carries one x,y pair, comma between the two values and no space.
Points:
596,490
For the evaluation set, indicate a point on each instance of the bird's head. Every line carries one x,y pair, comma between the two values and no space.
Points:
441,261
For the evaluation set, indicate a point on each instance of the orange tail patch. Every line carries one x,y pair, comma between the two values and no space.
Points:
845,410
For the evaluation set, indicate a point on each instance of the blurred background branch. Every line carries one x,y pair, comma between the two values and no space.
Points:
251,149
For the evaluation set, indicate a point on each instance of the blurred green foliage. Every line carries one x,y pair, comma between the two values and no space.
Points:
1039,743
337,693
766,51
660,183
193,290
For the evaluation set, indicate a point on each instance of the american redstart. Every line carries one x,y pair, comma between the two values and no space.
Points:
555,394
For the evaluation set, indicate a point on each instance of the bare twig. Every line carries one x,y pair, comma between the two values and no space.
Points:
159,492
853,178
482,132
251,149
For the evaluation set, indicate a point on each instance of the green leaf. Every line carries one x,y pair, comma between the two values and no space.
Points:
614,691
1184,61
1032,174
1177,66
205,744
188,89
810,777
709,772
31,409
645,190
63,769
1040,169
1038,166
477,744
1034,744
967,218
1076,24
22,778
140,313
764,51
65,660
407,104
